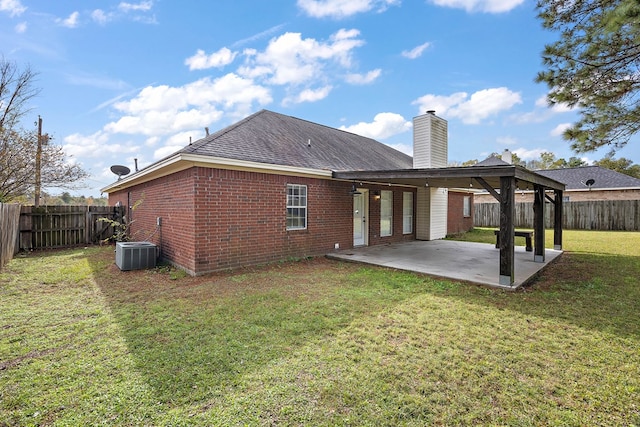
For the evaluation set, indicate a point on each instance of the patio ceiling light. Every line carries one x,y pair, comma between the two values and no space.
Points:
354,190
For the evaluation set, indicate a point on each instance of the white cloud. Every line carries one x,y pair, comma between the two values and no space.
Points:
559,130
100,16
21,28
71,21
12,7
165,151
308,95
162,110
202,61
363,79
541,113
182,139
441,104
343,8
542,102
403,148
384,125
151,141
143,6
471,110
291,60
95,145
486,103
416,52
130,11
536,116
525,154
490,6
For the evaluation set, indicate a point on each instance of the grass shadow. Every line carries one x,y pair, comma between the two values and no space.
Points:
196,337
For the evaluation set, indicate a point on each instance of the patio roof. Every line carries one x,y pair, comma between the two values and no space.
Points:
454,177
501,180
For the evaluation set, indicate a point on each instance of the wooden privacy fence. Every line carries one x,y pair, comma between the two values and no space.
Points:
65,226
589,215
9,226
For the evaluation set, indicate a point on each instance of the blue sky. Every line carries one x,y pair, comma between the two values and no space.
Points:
123,80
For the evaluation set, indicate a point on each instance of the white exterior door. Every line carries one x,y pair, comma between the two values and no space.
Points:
360,213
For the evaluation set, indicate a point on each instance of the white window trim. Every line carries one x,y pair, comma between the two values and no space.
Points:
305,206
388,217
407,215
466,206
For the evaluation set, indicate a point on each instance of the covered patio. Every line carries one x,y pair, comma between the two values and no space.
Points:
501,181
473,262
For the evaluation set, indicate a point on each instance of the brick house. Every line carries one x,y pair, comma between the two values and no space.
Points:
263,190
272,187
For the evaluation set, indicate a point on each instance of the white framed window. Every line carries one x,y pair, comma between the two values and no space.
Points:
386,213
407,212
466,206
296,207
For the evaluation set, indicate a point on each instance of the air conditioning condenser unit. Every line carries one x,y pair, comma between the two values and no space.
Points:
136,255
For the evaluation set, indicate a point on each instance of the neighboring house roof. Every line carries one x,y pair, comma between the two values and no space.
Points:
492,161
272,138
576,178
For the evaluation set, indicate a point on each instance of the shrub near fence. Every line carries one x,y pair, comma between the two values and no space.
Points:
589,215
65,226
9,222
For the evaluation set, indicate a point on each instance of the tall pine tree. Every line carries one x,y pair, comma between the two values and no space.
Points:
594,67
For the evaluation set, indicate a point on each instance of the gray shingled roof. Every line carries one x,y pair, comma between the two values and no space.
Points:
492,161
273,138
575,178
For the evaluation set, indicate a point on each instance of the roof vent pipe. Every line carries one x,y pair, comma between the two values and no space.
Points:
206,129
135,161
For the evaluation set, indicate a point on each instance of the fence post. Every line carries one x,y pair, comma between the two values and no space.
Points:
9,231
88,229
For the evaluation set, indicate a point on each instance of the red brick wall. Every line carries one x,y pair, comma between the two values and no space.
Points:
456,222
214,219
171,198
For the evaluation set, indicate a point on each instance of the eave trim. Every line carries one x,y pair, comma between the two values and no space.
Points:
182,161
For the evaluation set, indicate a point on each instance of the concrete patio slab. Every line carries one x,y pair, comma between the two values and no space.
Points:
466,261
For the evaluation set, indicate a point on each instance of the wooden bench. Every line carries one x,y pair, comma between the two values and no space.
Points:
517,233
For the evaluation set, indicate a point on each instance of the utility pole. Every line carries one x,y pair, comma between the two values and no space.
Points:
38,164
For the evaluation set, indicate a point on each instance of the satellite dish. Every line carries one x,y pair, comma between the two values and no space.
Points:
590,182
120,170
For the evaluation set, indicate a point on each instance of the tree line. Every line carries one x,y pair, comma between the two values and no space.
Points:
63,199
548,160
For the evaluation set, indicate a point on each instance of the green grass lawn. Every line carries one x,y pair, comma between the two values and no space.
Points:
319,342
